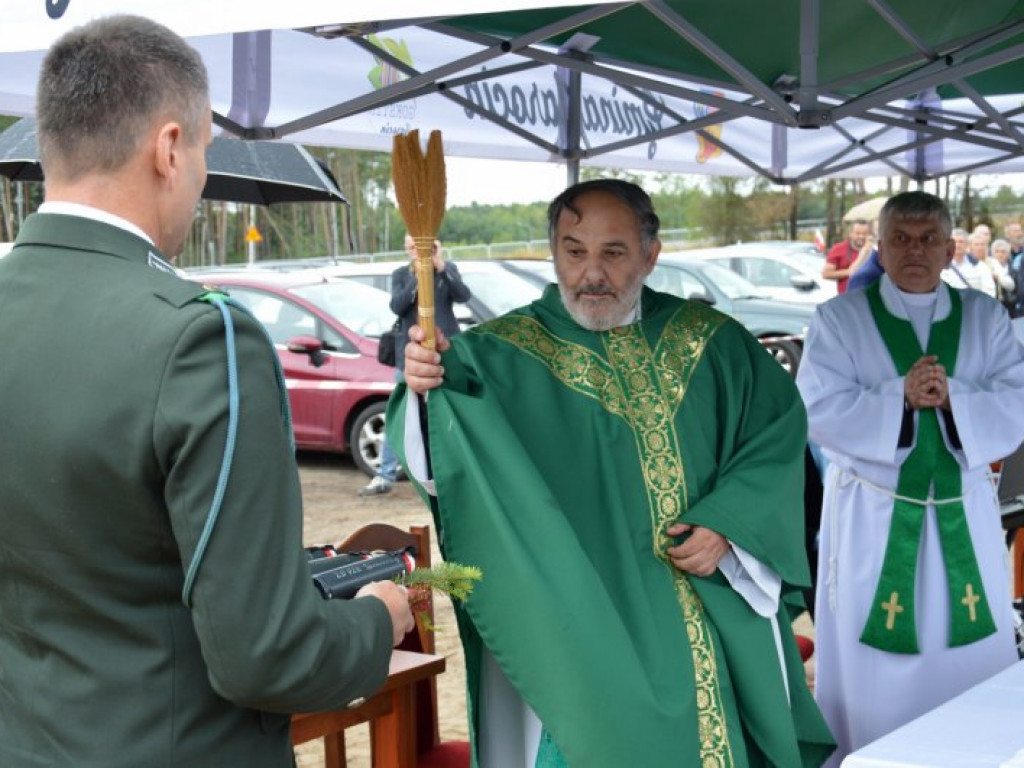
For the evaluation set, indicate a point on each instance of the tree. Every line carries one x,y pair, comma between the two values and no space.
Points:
725,215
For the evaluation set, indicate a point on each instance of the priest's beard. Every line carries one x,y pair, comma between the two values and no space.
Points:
604,314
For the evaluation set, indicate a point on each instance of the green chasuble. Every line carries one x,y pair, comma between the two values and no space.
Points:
560,456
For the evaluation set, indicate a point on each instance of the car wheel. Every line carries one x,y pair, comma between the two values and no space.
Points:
786,353
366,441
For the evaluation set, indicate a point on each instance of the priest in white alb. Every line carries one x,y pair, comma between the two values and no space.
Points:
912,388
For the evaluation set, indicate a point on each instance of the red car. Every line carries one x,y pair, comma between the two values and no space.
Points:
325,332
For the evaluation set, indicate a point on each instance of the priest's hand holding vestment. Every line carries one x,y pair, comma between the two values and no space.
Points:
700,552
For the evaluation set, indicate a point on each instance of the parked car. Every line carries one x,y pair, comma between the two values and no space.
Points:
788,271
780,326
497,286
325,333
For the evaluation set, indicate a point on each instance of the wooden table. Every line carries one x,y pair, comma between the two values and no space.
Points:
391,713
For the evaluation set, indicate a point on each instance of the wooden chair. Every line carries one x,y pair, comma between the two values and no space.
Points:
431,751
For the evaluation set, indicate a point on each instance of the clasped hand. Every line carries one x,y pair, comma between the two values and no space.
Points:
700,553
926,385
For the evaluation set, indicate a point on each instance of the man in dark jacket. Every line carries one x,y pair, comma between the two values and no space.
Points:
153,610
448,289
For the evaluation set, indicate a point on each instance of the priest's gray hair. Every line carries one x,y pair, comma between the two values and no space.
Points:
915,206
104,85
632,195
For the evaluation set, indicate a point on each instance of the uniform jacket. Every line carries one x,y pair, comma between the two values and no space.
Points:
113,420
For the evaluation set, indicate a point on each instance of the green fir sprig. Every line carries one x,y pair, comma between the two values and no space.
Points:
453,579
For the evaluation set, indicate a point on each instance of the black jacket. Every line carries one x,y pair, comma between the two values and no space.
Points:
448,289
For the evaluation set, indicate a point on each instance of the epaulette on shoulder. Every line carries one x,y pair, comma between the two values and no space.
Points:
179,293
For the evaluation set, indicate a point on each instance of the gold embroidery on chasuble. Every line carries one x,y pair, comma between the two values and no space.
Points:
645,387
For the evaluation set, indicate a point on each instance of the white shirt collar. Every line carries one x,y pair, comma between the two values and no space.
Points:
88,212
898,302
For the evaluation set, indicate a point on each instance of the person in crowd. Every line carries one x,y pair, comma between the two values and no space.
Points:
154,610
999,262
1001,251
626,469
984,230
912,388
994,281
1014,234
449,289
844,258
868,269
977,246
962,272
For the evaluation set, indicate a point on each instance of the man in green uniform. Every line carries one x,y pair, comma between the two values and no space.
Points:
153,612
626,469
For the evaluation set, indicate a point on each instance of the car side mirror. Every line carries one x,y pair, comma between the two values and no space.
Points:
803,282
702,297
308,345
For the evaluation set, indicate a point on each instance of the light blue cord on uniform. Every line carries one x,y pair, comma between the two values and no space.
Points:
221,301
229,448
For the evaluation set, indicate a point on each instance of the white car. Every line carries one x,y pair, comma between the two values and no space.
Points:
497,286
788,271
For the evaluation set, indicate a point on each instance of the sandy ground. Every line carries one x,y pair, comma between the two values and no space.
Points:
333,510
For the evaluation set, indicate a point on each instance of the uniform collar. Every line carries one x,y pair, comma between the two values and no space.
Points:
65,228
96,214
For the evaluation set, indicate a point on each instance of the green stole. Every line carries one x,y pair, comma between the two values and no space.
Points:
890,625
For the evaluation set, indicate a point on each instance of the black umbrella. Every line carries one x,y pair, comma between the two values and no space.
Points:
261,172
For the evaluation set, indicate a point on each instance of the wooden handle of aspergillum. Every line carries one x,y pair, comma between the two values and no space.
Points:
425,288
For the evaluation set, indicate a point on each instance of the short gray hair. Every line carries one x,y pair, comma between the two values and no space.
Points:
103,85
632,195
915,205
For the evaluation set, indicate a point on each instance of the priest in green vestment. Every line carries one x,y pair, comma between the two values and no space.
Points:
626,468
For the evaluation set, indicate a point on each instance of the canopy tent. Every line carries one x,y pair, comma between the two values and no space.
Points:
790,91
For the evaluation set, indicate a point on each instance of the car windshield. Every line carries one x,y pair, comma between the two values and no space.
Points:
363,309
813,262
499,289
732,285
541,270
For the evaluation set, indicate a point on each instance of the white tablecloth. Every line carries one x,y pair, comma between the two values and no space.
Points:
982,728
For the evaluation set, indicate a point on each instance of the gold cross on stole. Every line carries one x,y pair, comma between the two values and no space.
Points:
893,607
969,600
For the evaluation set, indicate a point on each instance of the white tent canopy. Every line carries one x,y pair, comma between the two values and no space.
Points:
353,77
